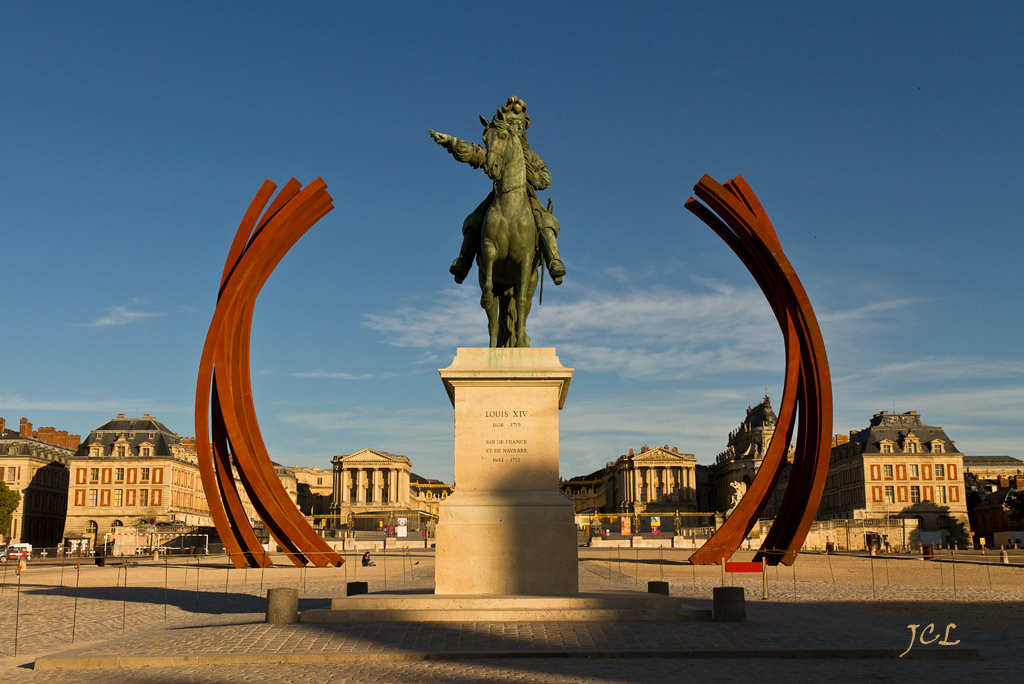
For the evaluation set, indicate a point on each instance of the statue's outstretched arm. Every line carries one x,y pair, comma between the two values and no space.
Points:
460,149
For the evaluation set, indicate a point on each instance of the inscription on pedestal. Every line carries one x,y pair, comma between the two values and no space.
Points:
509,439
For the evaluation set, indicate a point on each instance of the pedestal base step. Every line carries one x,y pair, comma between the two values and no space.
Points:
617,607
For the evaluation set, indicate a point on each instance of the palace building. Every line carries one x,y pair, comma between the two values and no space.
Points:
745,450
900,467
34,463
657,480
372,481
132,471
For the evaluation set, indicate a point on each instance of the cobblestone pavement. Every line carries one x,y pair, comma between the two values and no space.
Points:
173,610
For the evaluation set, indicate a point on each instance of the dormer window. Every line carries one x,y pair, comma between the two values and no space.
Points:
938,447
885,447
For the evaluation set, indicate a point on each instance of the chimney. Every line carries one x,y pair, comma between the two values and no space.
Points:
120,415
3,426
26,428
644,448
1004,482
146,415
630,452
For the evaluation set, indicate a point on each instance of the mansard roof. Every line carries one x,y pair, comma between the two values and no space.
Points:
994,460
761,415
897,427
137,431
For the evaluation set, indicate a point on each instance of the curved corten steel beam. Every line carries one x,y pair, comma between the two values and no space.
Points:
737,216
228,438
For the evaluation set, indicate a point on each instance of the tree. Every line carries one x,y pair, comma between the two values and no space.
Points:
1014,504
9,500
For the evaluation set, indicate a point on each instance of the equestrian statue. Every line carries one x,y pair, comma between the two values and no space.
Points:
509,233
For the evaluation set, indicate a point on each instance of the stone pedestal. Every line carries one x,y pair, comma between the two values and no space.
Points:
507,528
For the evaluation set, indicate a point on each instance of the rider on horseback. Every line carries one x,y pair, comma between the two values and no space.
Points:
537,178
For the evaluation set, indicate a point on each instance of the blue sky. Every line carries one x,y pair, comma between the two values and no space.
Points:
884,141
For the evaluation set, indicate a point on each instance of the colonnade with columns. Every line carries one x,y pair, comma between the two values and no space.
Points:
661,478
660,484
375,485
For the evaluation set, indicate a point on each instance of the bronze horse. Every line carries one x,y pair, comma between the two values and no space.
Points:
508,259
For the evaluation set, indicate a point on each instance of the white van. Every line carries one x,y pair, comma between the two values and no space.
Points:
20,551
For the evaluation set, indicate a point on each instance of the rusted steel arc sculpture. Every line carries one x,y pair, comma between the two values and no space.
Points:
227,433
737,216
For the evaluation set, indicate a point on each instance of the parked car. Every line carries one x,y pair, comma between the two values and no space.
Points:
20,551
3,553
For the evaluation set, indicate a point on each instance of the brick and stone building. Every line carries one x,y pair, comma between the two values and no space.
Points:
34,463
130,471
899,467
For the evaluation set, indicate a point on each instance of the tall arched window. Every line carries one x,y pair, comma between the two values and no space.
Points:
91,527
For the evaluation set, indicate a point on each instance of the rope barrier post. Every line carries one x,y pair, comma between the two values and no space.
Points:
17,612
952,558
63,560
166,572
263,569
74,612
764,580
872,561
124,596
197,582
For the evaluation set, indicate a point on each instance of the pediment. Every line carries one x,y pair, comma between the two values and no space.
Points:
371,457
662,456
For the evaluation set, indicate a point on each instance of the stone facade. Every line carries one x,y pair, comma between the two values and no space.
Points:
899,467
129,471
370,480
34,463
587,492
426,495
745,450
314,489
658,480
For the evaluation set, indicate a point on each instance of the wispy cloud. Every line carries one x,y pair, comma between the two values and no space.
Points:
341,375
21,403
117,315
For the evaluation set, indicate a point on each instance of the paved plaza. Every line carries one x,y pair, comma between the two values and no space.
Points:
178,621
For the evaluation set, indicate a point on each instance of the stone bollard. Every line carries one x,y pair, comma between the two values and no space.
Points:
729,605
156,554
1004,557
356,588
282,606
22,565
657,587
